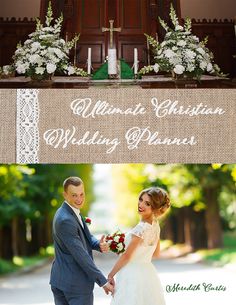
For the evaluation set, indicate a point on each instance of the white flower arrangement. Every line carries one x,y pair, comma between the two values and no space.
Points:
45,52
181,53
7,71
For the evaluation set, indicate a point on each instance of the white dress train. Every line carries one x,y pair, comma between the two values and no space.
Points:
137,283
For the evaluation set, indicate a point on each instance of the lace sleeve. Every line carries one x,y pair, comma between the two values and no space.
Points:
138,230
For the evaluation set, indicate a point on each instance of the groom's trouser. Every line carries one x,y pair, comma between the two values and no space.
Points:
68,298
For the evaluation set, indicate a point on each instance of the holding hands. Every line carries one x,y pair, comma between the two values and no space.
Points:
109,287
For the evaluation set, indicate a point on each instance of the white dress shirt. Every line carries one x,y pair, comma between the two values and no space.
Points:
77,213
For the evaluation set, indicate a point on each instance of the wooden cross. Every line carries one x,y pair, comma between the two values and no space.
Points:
111,29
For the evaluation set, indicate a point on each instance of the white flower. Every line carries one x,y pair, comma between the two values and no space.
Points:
120,247
156,68
190,68
35,46
62,41
209,67
179,28
59,53
179,69
40,70
181,43
175,61
28,41
203,65
21,68
163,43
6,69
201,51
190,54
195,38
116,239
51,68
71,70
169,53
35,59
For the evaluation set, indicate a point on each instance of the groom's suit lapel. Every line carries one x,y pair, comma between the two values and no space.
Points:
81,230
86,230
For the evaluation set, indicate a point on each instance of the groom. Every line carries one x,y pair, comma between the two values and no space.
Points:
73,271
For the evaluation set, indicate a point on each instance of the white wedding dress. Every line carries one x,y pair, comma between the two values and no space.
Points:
137,283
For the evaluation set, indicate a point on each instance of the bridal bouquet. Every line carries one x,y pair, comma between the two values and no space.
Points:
181,52
45,52
116,242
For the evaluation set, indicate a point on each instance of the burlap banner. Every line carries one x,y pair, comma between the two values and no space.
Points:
124,125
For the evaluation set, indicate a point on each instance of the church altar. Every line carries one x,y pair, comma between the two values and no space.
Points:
147,82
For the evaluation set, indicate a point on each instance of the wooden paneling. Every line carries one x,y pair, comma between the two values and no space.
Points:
133,19
131,14
221,41
89,24
11,33
91,16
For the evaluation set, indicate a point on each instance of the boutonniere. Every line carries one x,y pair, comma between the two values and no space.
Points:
87,220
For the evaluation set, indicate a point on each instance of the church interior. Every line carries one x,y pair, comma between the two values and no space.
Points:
214,19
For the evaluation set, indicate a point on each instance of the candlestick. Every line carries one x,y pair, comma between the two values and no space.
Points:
135,61
89,60
148,53
75,53
235,25
112,62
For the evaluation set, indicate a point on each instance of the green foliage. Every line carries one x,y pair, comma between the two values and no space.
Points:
17,263
6,266
185,184
34,191
222,256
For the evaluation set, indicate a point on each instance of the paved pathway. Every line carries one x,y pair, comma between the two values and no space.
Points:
32,288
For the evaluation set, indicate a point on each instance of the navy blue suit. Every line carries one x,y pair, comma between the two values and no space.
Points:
73,271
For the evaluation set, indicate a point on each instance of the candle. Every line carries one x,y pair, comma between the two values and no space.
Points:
89,61
135,61
156,37
66,36
112,62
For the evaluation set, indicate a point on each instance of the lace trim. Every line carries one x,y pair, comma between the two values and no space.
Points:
149,233
27,137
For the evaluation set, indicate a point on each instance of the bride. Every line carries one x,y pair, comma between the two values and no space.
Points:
137,282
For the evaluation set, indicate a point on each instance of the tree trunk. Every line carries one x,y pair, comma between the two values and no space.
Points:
180,226
212,217
1,242
14,234
48,230
187,227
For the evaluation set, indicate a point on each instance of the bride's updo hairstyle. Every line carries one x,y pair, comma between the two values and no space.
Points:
160,201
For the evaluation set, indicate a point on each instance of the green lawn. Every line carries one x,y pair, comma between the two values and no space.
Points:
222,256
18,263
